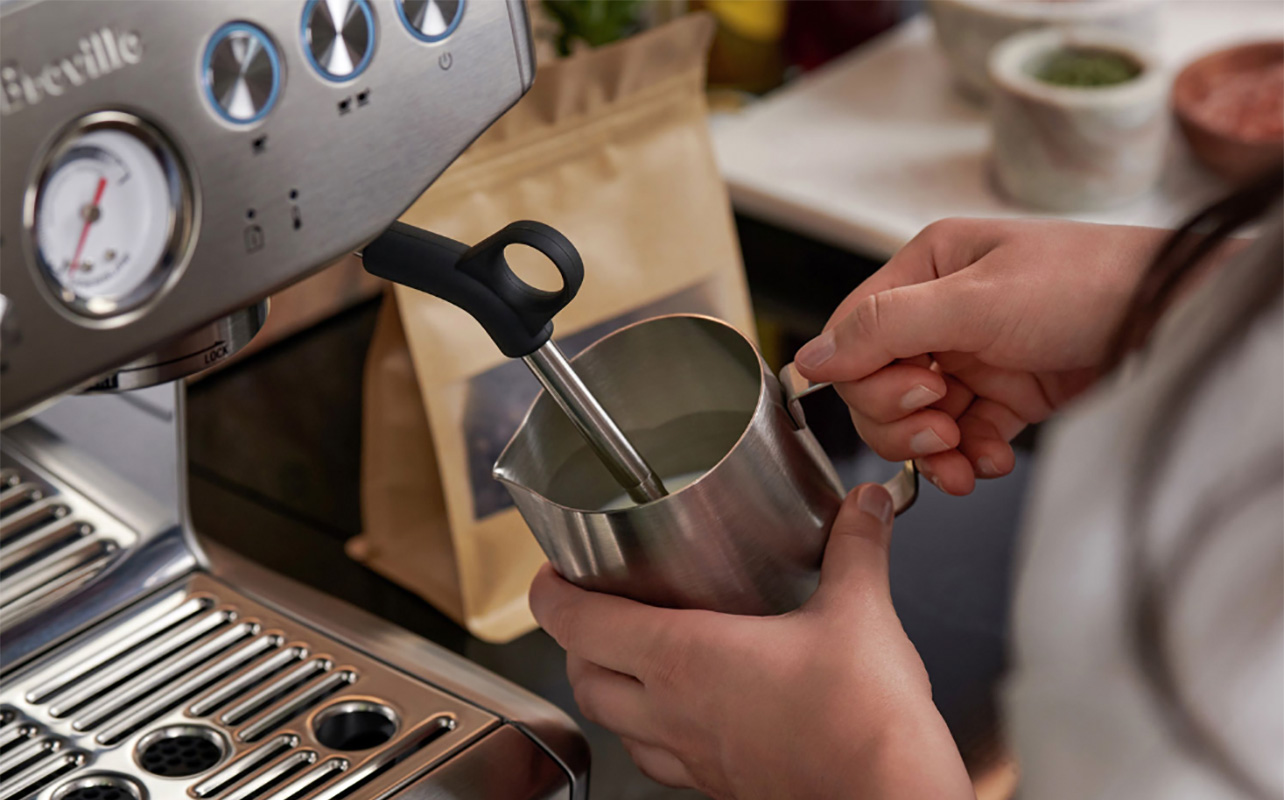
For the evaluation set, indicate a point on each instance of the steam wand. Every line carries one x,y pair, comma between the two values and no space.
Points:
519,319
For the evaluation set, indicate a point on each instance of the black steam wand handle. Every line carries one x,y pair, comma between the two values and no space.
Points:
519,319
478,279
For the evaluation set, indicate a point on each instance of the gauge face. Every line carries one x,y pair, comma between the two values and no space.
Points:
108,213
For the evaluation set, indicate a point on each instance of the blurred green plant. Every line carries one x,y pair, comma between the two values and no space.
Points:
596,22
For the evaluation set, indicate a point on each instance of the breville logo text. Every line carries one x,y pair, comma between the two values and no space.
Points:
100,53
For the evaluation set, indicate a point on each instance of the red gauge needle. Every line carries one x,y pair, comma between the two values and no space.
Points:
91,216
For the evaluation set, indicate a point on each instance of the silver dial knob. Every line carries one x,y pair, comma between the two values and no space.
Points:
338,37
242,73
431,20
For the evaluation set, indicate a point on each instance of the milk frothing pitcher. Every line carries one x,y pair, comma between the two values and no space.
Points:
665,462
751,493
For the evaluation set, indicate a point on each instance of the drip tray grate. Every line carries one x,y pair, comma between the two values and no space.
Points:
52,541
181,751
204,684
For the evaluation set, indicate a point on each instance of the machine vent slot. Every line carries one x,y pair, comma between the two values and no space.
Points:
276,691
424,735
12,732
187,650
167,672
19,736
28,519
48,578
120,670
31,751
246,764
18,496
41,774
309,697
274,775
44,541
186,688
30,759
50,544
311,780
120,641
236,687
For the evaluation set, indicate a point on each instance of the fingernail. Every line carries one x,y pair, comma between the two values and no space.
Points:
926,442
817,351
918,397
875,501
985,465
931,476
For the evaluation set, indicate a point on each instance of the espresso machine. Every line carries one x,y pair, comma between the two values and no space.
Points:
164,168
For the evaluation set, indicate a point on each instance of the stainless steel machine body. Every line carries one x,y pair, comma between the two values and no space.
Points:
297,170
165,166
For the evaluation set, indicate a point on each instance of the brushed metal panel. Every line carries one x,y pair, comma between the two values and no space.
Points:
409,114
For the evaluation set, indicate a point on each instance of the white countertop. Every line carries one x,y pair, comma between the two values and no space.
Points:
867,150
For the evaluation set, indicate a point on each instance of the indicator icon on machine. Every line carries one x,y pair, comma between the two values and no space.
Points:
241,73
338,37
430,20
111,216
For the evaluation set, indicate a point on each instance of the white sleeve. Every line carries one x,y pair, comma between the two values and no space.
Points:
1227,633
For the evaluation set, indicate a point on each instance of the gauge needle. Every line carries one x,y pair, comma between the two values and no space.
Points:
91,216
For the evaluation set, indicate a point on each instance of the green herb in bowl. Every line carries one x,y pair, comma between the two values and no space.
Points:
1087,68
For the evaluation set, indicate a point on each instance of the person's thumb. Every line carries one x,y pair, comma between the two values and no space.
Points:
899,323
856,556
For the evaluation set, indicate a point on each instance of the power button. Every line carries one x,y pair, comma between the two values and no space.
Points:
430,20
338,37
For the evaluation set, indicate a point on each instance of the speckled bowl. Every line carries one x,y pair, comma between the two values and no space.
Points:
1232,157
968,30
1065,148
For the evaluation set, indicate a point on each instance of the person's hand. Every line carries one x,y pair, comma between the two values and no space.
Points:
975,329
829,701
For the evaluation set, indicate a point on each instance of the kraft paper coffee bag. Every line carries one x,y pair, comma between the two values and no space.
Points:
611,147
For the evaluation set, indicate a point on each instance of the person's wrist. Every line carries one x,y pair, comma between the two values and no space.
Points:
911,755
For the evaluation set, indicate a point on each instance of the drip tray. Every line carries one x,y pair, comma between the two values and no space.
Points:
202,692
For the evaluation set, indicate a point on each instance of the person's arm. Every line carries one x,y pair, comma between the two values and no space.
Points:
829,701
975,329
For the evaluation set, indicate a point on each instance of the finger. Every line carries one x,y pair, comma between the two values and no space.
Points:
951,472
1021,391
614,701
913,263
922,433
659,764
945,314
957,397
986,429
856,555
619,634
941,248
893,392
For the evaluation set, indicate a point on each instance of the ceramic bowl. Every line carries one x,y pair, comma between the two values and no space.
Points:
1065,148
968,30
1232,154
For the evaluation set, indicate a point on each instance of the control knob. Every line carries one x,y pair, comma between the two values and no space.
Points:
242,73
338,37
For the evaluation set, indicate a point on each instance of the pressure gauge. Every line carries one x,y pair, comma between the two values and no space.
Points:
110,215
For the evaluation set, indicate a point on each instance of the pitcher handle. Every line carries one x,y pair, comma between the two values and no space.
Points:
903,487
